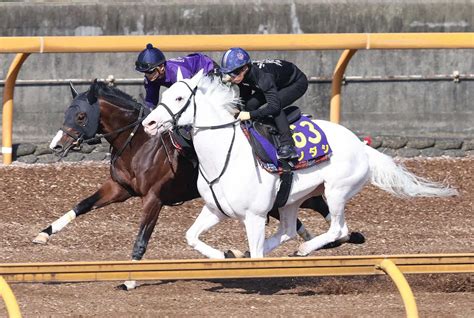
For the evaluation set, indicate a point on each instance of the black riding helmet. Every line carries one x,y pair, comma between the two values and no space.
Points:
149,58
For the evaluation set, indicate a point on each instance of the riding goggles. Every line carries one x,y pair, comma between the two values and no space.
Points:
236,72
147,68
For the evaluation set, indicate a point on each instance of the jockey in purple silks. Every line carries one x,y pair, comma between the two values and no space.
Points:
161,72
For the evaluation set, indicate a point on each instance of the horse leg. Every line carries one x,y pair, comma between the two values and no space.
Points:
255,228
300,228
319,205
286,230
109,192
151,210
336,196
204,222
338,228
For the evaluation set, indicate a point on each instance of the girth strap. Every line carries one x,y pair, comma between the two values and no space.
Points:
286,179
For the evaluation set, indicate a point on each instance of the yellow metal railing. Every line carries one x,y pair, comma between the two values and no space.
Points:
234,268
248,268
253,42
10,300
350,42
396,275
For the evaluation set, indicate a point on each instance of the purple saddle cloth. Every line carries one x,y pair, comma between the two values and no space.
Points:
310,143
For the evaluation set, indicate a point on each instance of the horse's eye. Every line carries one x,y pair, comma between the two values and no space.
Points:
179,98
81,119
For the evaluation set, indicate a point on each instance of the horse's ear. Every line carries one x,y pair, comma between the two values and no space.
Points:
73,90
197,78
91,94
179,75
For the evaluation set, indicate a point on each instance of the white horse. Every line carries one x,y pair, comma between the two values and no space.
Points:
244,190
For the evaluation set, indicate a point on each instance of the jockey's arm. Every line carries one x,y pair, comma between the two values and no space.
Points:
267,85
152,94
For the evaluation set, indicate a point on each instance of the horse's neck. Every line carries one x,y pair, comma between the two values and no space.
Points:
212,145
209,114
113,118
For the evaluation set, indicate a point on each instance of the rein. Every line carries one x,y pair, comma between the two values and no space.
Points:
211,183
136,124
174,121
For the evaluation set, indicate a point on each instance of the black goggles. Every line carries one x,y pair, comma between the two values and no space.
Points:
145,67
236,72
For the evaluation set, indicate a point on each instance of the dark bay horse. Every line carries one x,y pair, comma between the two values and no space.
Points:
151,168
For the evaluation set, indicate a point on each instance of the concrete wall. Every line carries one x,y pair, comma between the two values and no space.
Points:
440,108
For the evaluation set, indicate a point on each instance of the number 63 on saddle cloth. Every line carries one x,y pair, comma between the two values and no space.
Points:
310,143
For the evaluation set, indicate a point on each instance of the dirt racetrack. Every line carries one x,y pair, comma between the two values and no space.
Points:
33,196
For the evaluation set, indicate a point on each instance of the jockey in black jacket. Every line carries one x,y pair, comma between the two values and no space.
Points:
277,83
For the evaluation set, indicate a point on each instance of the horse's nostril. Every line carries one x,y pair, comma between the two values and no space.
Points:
58,148
152,123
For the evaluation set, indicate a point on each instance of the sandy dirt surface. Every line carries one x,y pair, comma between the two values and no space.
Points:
33,196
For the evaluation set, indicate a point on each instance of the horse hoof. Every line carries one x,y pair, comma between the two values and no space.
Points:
42,238
332,245
297,254
234,254
128,285
356,238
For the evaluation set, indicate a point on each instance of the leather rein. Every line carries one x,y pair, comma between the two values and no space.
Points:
174,121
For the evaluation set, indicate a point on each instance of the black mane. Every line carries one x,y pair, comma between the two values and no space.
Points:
113,95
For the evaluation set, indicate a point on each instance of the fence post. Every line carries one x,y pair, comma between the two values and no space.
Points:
7,119
396,275
335,110
9,298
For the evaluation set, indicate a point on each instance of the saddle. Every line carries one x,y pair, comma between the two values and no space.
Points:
310,141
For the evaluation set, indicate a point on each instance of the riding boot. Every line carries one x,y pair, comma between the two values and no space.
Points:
287,147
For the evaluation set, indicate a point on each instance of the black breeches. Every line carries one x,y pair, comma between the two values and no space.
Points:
287,96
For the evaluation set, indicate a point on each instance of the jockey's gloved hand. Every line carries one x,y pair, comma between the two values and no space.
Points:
216,71
226,78
244,116
150,105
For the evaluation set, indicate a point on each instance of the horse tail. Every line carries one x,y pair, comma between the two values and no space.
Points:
396,179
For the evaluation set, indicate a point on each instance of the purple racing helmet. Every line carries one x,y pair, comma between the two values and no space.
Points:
149,58
234,59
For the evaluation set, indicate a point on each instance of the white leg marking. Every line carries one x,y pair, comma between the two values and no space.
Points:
131,284
60,223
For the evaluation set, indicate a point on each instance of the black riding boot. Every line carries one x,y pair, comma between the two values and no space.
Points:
287,147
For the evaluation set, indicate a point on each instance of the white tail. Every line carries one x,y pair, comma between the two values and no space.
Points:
396,179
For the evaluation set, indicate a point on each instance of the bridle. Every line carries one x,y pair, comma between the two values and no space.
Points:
79,138
174,122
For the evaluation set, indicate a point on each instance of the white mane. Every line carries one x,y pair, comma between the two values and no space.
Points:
219,94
